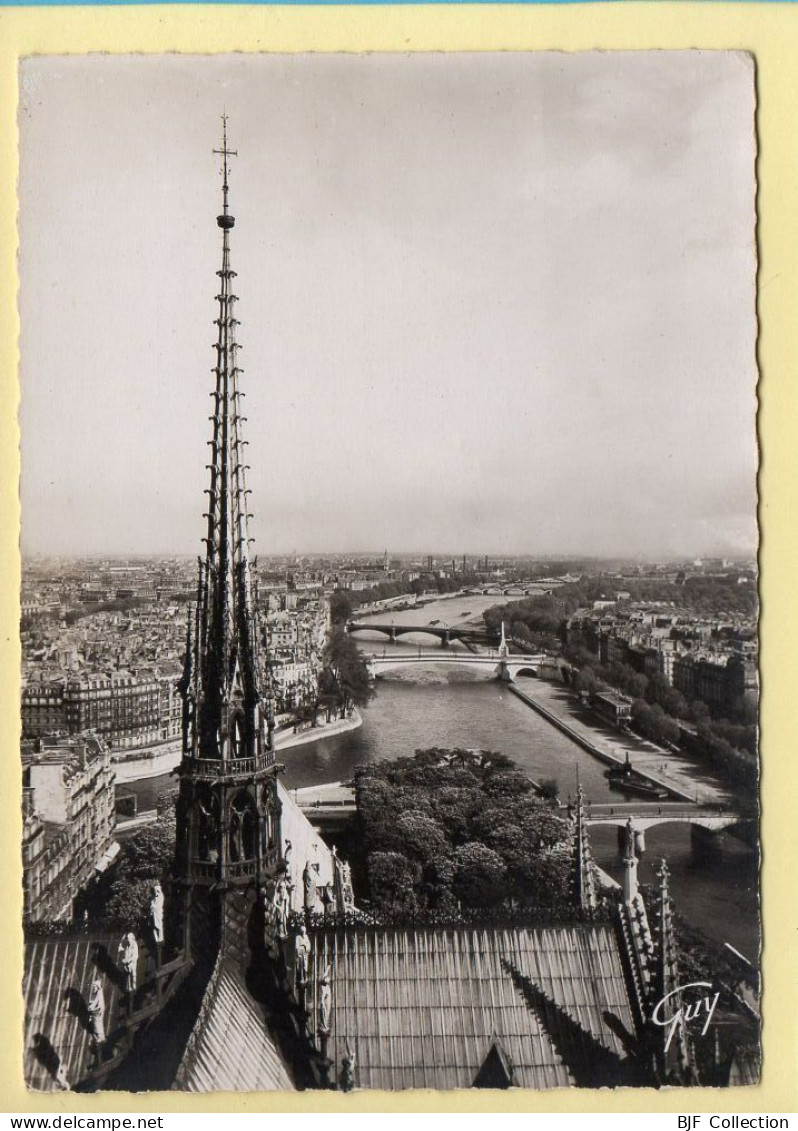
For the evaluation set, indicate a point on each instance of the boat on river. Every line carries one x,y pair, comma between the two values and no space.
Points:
625,779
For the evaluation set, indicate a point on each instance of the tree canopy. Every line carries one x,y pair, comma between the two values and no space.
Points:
456,826
123,893
347,671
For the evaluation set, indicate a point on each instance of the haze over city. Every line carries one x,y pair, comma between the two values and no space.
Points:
502,305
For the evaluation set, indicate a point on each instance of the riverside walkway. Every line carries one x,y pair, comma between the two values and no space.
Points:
673,772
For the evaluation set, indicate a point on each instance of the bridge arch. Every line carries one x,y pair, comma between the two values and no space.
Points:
393,632
522,669
426,630
353,628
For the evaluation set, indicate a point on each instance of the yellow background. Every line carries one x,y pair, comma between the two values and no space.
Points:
770,32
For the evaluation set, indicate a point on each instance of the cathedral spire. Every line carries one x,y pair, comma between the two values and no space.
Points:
229,720
672,1054
583,877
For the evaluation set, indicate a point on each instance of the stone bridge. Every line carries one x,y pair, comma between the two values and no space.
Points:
443,632
647,816
704,821
505,668
515,589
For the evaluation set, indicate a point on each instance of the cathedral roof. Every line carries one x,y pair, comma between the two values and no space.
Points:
58,974
231,1048
422,1008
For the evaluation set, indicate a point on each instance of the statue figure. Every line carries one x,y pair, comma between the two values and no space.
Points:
281,908
267,834
156,912
96,1011
347,1078
325,1003
128,951
301,955
309,886
236,845
327,893
349,894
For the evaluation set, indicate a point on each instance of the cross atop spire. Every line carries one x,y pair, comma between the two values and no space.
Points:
225,220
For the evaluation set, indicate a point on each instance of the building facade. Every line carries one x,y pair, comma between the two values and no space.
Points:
127,709
68,821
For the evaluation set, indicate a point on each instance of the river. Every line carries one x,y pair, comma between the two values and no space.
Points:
440,706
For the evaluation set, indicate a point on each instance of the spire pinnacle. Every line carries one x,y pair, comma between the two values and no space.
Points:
583,878
225,220
673,1053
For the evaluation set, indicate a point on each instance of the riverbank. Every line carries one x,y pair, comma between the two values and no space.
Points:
165,758
324,730
679,777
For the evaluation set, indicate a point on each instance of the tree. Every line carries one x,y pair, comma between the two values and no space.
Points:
586,681
699,711
392,879
348,670
549,789
341,606
479,875
436,884
637,685
123,893
509,783
306,712
422,838
428,808
542,878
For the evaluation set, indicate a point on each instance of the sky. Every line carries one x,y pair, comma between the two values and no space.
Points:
499,303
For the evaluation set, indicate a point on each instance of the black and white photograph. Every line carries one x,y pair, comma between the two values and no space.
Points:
389,611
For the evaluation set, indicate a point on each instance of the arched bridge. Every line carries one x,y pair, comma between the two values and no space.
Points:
444,632
505,668
647,816
514,589
705,823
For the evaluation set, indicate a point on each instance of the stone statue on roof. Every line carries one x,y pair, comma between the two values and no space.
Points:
325,1002
128,951
347,1077
96,1012
301,955
282,909
156,912
309,886
346,884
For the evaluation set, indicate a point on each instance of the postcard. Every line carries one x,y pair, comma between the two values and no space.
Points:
389,648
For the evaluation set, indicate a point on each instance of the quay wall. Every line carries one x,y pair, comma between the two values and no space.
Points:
586,744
